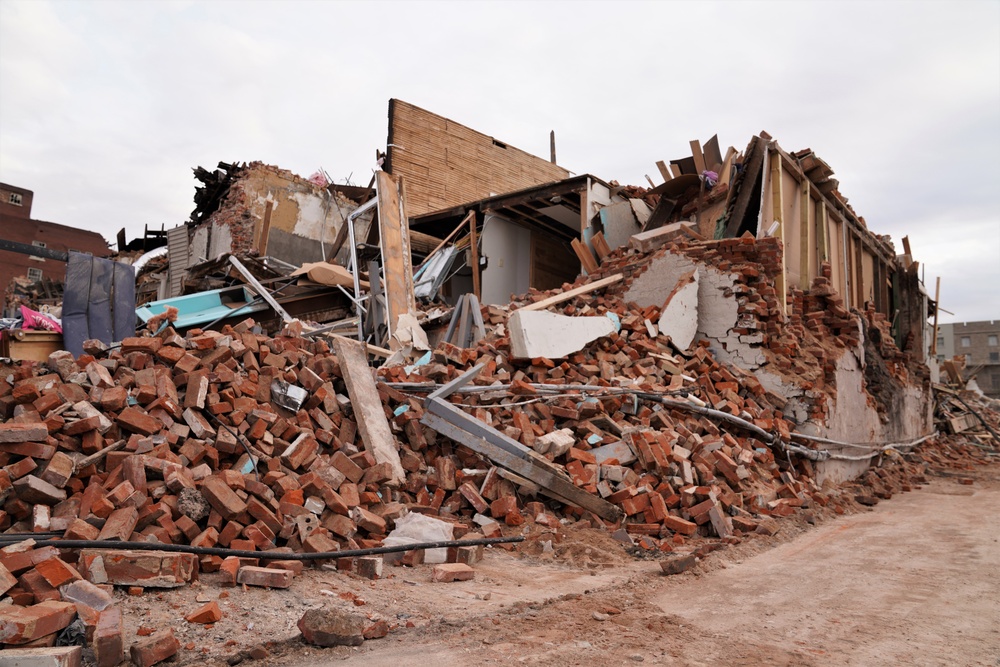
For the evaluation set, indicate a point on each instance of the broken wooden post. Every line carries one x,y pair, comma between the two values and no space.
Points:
372,423
394,239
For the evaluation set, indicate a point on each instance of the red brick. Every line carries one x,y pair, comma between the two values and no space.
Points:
265,577
135,420
230,569
679,525
120,524
222,499
137,568
447,572
57,572
16,432
20,625
7,580
155,648
209,613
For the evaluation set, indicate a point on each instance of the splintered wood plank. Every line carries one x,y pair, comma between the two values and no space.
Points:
664,172
727,165
265,228
822,231
372,423
576,291
601,246
699,157
777,204
805,237
713,154
583,253
396,259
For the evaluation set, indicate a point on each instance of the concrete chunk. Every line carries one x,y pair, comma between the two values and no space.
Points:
553,336
49,656
679,315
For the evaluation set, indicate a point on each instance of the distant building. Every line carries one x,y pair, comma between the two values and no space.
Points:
17,225
979,342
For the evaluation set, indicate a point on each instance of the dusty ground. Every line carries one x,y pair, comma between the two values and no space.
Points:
912,581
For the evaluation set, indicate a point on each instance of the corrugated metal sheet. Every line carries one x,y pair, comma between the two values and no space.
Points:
179,254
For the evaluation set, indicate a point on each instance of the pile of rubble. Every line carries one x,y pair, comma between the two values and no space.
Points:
209,440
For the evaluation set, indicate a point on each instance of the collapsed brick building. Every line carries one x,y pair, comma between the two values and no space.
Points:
719,366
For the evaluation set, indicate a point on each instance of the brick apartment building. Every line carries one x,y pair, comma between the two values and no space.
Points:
980,343
16,224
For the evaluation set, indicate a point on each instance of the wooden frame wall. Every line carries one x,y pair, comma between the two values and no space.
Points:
814,229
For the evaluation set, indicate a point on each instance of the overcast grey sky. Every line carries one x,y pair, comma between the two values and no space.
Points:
105,107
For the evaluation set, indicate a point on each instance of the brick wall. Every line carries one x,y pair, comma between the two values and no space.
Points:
55,237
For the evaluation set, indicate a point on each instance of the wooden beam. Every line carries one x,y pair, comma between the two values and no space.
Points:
368,411
699,157
860,270
396,258
664,172
727,165
937,308
822,233
474,254
265,229
777,203
601,246
583,253
805,237
713,156
461,226
675,169
552,146
576,291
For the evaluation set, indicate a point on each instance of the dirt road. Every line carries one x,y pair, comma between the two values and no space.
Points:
913,581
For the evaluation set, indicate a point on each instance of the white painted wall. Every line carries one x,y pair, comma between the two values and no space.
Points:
508,248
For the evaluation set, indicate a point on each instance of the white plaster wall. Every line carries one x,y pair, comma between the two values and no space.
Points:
317,219
508,249
221,240
718,314
199,245
850,418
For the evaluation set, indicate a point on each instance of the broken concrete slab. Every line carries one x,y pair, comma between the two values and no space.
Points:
542,334
47,656
679,315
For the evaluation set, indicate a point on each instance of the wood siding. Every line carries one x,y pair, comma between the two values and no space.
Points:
444,164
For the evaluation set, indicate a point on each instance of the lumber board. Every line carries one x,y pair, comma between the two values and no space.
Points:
713,154
550,483
664,172
777,194
805,237
396,259
601,246
576,291
369,414
699,157
583,253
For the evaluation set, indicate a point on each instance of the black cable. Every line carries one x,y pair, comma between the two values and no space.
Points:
267,555
240,439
